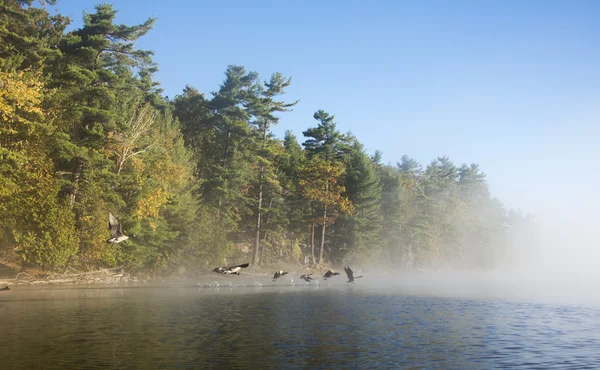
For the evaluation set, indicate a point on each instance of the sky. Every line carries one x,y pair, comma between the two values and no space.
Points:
511,85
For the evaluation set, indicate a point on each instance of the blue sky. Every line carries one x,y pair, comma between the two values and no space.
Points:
511,85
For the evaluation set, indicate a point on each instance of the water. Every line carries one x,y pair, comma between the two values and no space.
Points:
266,327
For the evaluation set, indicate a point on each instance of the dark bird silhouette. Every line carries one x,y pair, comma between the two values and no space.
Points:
306,278
278,274
231,270
329,274
5,288
116,230
350,274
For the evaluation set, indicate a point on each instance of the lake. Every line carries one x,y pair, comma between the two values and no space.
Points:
186,326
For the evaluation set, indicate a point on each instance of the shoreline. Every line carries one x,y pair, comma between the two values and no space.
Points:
118,276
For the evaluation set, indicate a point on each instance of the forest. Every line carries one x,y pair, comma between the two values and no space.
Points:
200,180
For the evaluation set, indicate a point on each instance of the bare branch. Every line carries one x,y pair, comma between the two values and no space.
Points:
138,126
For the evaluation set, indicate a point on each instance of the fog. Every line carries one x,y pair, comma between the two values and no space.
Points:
556,180
558,264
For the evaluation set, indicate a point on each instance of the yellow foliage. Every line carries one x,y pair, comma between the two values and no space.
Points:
150,205
20,93
319,182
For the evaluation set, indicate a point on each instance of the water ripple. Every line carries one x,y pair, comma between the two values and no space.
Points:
279,327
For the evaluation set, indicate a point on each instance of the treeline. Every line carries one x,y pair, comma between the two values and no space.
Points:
85,130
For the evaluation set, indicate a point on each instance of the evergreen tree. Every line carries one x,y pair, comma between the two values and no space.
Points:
360,232
97,92
295,208
263,107
228,177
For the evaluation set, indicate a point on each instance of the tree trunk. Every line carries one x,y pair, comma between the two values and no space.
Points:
76,177
257,241
224,165
323,235
312,242
308,234
262,251
255,258
324,226
260,259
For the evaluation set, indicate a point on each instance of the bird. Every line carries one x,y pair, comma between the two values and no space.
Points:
5,288
329,274
306,278
116,230
279,273
350,274
231,270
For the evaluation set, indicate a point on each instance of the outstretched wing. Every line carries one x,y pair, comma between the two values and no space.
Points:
120,230
349,272
243,265
114,226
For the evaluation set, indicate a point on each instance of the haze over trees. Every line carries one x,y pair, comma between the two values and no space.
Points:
84,131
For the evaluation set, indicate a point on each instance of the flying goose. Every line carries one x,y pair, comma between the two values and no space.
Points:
350,274
329,274
116,230
279,273
231,270
306,278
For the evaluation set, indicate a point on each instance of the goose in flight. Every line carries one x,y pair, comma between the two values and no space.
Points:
231,270
329,274
350,274
278,274
306,278
116,230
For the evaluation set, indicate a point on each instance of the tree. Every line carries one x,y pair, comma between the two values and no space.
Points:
402,206
440,206
36,227
94,74
324,140
226,180
319,181
27,34
263,107
326,143
361,231
127,144
376,158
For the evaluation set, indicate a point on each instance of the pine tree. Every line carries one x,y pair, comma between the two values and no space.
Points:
263,107
324,143
96,92
228,176
361,230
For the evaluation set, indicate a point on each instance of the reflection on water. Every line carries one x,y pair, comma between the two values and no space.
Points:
289,327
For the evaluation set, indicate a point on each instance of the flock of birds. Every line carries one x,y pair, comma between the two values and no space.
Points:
117,236
279,273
